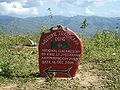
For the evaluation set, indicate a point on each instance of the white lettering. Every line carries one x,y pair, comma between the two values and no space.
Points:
59,38
62,35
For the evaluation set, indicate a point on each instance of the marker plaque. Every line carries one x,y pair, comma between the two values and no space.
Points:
60,50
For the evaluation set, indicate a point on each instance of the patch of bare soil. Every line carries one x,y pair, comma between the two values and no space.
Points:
8,87
87,78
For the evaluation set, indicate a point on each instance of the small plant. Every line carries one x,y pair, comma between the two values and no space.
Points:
50,77
84,24
50,11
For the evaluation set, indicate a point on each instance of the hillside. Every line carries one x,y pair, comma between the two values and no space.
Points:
24,25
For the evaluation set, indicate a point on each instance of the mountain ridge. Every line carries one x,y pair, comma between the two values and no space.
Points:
31,24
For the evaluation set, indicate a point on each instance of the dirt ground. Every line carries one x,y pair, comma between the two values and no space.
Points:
87,78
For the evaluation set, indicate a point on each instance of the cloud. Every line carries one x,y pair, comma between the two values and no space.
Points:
69,13
56,1
15,8
114,12
61,3
32,3
102,2
82,3
31,6
73,13
26,3
88,11
9,1
20,7
85,4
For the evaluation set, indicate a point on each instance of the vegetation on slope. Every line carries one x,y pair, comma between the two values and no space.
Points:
25,25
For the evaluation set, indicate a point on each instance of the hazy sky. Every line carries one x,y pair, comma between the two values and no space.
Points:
26,8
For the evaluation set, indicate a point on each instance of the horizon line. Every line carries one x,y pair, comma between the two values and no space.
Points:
59,15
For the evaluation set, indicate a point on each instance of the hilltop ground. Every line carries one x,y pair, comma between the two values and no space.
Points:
99,68
87,77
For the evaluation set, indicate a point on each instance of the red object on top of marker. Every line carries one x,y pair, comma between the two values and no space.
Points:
60,50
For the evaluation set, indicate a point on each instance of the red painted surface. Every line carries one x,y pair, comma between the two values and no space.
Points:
60,51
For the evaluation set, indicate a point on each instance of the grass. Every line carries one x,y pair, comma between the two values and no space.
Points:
101,62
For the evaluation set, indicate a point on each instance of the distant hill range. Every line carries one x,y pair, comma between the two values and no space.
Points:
32,24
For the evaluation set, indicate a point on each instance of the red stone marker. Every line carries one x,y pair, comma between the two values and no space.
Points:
60,51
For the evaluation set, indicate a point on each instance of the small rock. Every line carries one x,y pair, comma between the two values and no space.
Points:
114,54
0,70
